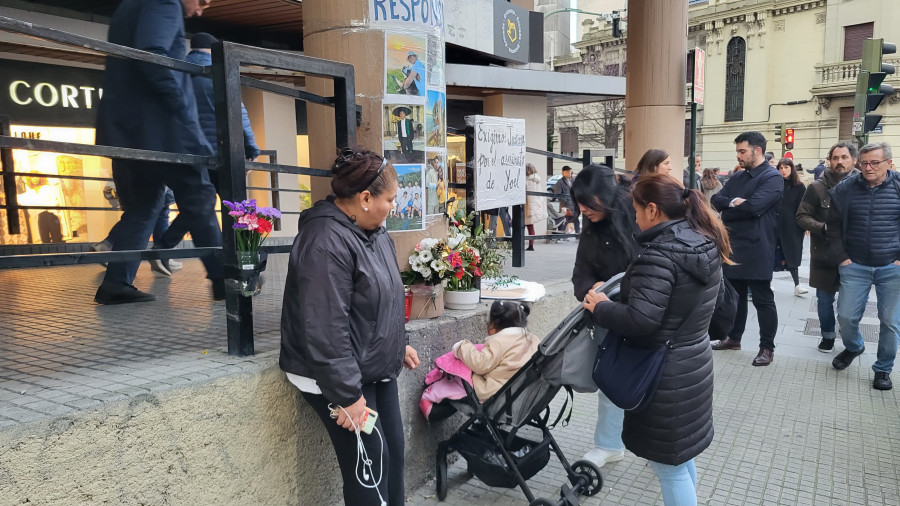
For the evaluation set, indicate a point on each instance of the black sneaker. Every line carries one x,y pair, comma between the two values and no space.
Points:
882,381
845,358
826,345
110,295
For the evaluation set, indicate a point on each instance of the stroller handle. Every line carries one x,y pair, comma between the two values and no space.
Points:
611,287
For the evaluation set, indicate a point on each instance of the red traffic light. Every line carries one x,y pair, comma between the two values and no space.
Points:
789,135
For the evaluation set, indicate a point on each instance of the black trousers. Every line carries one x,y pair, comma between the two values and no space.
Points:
383,399
142,188
766,312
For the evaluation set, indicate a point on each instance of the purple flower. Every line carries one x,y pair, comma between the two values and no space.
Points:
269,212
240,226
236,214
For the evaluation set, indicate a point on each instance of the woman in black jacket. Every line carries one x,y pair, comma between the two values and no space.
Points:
669,294
788,234
606,248
343,336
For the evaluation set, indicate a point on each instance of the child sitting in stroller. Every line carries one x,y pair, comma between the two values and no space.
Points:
485,367
507,348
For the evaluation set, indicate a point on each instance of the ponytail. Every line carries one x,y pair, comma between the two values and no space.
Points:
678,202
703,219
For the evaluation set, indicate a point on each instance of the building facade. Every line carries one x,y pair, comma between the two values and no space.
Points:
768,63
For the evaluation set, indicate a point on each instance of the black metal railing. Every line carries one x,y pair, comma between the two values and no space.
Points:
225,72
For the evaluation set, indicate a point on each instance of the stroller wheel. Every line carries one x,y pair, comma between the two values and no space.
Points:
540,501
441,472
589,473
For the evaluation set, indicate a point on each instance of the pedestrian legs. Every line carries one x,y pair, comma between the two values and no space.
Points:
141,192
825,308
856,282
678,483
766,312
887,290
740,317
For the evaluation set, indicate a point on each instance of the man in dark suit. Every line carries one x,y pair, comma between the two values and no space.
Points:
405,133
749,205
146,106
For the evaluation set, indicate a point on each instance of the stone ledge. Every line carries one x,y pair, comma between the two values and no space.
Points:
240,439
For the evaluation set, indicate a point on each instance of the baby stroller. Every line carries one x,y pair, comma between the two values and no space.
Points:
489,439
556,219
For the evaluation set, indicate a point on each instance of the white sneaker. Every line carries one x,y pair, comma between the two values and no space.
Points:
799,290
175,265
157,266
601,456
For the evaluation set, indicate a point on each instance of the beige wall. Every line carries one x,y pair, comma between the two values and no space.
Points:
274,123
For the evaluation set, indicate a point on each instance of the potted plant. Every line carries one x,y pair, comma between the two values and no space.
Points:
252,225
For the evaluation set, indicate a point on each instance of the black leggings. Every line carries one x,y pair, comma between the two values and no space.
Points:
795,274
384,399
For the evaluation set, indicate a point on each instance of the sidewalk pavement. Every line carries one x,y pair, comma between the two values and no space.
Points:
60,352
795,433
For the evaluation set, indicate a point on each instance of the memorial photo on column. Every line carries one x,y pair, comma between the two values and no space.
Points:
436,182
409,208
403,133
404,63
434,120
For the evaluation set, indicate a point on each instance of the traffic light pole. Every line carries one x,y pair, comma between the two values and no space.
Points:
692,163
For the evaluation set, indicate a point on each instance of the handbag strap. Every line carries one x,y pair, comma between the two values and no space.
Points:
570,397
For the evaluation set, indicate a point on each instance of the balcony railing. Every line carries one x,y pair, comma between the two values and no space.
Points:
840,78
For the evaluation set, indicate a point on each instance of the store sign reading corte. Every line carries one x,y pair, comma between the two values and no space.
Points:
51,95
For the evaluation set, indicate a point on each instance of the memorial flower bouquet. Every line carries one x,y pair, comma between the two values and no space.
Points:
252,224
428,262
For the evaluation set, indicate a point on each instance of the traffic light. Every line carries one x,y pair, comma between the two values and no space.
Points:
870,88
788,138
779,133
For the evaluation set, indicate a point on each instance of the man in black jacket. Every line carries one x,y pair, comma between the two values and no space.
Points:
811,216
566,205
749,206
864,230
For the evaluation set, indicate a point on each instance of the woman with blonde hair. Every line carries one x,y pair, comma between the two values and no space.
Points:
709,183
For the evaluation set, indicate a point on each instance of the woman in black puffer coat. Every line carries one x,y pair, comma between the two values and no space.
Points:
669,294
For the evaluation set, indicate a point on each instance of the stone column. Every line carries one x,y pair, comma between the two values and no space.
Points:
654,95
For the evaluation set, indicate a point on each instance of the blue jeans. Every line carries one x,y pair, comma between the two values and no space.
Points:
856,283
610,418
678,483
162,222
825,307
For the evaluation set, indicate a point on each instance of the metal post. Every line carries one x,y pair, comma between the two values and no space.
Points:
470,176
9,181
518,236
587,158
345,110
233,186
693,161
275,195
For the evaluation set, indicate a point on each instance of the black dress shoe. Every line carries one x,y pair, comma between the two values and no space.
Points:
882,381
726,344
764,357
110,295
845,358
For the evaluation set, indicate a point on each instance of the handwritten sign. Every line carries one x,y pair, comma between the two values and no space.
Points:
499,161
416,14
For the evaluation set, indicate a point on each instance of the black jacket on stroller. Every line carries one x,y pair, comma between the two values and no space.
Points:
669,293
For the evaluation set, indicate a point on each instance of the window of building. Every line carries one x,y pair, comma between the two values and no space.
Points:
854,35
734,79
568,140
845,127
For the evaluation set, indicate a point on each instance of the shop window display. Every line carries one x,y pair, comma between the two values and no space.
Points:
40,188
